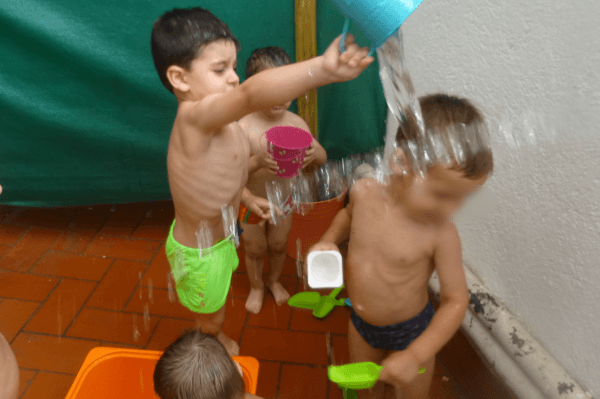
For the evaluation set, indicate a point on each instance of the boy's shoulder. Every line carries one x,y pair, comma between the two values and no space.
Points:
363,188
296,120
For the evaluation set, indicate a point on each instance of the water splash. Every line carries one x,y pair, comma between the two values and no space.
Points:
204,236
146,317
170,290
299,258
59,320
402,101
139,283
136,332
150,291
230,223
275,196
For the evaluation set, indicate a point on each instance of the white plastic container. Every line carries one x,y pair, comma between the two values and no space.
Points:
325,269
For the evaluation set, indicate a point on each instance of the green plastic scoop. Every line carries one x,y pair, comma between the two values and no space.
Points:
327,303
355,375
305,300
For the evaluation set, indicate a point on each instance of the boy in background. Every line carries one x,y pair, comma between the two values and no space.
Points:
399,234
261,238
195,55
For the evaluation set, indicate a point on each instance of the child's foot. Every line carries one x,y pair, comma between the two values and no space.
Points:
230,345
255,300
279,293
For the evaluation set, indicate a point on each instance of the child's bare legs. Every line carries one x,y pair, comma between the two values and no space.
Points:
419,389
257,238
212,323
255,245
361,351
277,239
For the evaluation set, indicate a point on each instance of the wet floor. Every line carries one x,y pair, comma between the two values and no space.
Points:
72,279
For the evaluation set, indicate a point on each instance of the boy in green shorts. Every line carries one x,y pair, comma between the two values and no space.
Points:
208,159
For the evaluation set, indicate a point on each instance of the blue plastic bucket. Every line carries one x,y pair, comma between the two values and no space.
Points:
377,19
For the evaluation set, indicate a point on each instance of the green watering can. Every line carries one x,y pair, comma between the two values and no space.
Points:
320,305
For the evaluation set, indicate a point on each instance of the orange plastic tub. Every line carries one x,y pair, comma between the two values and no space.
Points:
127,374
310,227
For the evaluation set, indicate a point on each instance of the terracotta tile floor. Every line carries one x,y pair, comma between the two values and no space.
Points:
75,278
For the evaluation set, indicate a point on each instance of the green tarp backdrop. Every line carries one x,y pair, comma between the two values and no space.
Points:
85,120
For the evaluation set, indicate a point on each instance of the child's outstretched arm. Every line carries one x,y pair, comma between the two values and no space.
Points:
279,85
403,366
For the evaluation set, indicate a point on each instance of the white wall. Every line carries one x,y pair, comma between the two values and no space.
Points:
533,67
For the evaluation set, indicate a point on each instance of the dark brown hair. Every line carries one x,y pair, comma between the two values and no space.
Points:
197,366
264,58
179,35
441,112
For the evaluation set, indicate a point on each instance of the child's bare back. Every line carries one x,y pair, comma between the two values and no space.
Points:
205,172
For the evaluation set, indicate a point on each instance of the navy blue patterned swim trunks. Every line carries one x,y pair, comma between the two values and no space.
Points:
397,336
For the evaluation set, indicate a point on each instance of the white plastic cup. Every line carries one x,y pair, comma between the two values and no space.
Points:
325,269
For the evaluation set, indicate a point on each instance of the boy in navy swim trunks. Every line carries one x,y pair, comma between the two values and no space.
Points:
399,234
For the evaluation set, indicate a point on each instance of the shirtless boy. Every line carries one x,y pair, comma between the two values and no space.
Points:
398,235
260,237
194,54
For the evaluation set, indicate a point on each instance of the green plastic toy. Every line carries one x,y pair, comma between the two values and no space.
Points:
349,393
355,375
320,305
305,300
327,303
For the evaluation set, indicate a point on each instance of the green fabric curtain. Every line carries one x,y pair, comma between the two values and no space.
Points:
85,120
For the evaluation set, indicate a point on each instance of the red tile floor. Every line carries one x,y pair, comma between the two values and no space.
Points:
75,278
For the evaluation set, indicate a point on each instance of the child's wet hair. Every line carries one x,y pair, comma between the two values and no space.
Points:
178,37
265,58
197,366
442,112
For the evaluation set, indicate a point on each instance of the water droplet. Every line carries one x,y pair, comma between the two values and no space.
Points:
170,289
136,333
150,291
146,317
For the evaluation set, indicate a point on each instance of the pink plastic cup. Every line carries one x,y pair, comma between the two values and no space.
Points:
287,145
289,167
287,142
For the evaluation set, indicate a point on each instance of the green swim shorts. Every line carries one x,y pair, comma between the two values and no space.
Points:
202,282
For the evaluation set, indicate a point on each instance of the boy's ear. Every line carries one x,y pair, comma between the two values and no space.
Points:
399,162
178,78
